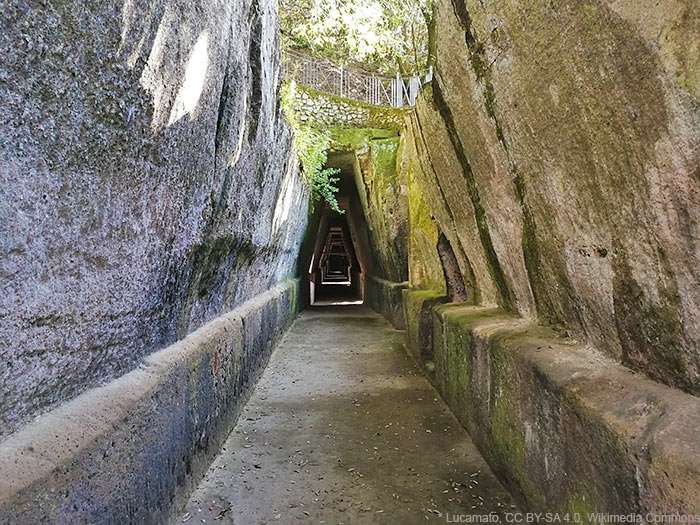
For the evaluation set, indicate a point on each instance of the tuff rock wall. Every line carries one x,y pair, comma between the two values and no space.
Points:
555,161
132,451
559,155
146,184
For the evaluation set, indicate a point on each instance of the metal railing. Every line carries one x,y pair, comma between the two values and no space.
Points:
324,75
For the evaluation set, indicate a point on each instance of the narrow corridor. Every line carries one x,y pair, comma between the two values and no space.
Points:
344,428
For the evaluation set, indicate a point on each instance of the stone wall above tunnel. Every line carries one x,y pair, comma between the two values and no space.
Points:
323,110
559,156
146,184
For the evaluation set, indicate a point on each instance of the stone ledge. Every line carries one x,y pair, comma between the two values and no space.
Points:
418,311
386,298
132,450
566,428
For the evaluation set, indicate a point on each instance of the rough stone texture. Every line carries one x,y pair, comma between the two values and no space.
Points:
146,184
559,153
323,110
567,428
131,451
557,150
386,298
439,179
418,314
425,269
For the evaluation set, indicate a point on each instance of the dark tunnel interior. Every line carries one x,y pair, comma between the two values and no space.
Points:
336,258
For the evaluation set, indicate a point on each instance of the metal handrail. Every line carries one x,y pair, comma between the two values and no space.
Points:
324,75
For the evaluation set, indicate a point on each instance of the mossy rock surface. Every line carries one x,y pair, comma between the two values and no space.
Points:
556,420
587,227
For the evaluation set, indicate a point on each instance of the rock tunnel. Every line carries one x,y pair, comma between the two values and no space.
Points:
338,242
498,323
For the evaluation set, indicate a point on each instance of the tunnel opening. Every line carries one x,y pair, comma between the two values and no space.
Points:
335,261
336,253
337,276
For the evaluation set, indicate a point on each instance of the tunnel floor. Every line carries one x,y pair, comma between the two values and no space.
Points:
344,428
336,295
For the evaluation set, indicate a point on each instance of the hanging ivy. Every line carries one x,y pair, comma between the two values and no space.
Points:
312,149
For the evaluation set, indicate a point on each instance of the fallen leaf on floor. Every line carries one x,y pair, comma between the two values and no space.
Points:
222,513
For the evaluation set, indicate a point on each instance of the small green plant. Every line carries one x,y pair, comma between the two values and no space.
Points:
312,150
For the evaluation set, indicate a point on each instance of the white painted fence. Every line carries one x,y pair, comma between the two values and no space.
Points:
323,75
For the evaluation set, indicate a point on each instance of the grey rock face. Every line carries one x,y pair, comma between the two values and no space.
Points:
146,184
131,451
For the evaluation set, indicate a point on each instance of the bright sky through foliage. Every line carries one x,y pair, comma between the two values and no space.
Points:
383,35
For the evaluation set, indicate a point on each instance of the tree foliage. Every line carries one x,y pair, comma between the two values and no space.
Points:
312,149
387,36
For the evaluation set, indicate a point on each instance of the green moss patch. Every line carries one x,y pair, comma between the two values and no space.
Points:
358,138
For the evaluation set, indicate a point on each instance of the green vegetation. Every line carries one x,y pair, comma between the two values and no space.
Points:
353,139
386,36
312,149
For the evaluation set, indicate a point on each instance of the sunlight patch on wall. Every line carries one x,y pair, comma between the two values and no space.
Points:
193,84
127,16
241,133
151,78
285,199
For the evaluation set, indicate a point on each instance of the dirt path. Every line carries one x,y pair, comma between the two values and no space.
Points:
343,428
